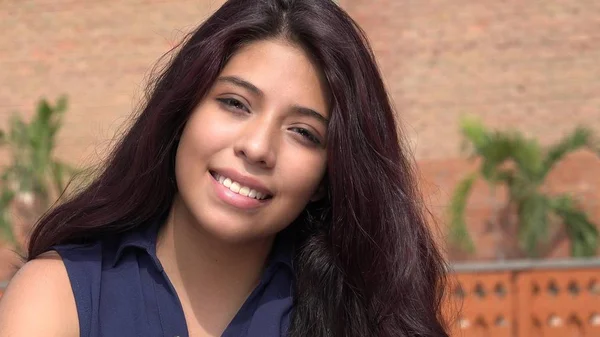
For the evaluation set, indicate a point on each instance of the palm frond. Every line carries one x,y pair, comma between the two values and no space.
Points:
580,138
528,155
474,131
459,234
510,158
496,151
582,233
5,224
533,222
32,167
492,148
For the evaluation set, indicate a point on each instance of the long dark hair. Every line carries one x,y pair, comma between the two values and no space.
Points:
366,263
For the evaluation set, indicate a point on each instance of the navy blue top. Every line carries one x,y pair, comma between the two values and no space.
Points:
121,289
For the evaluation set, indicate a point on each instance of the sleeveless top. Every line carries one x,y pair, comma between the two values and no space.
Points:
121,289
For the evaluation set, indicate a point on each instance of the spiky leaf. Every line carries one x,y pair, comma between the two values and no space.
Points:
582,233
458,227
533,222
5,224
32,167
580,138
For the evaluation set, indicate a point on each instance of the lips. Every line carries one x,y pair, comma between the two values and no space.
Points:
239,188
243,192
238,182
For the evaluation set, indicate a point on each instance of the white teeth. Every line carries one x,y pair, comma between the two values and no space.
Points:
244,191
240,189
235,187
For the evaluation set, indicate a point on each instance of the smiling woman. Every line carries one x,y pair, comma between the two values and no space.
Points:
247,132
262,191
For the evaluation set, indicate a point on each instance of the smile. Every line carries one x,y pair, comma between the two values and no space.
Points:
238,188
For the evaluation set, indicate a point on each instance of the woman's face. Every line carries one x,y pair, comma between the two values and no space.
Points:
253,152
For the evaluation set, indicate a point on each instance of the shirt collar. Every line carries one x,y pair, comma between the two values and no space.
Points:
144,238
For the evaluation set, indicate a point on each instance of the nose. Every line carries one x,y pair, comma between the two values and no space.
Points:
257,143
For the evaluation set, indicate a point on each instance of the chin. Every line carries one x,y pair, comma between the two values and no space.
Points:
228,229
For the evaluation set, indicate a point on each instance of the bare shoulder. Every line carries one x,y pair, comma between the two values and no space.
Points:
40,292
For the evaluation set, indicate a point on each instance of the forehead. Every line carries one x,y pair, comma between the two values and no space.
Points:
283,71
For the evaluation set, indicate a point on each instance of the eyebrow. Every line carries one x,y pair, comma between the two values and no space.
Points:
296,109
302,111
242,83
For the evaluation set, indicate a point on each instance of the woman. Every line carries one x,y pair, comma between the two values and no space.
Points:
262,191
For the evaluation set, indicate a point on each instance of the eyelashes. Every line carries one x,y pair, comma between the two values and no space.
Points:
307,134
232,103
237,107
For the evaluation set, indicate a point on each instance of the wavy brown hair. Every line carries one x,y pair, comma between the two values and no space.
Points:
366,262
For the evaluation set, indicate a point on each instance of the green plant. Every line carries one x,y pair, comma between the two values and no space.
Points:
519,164
33,178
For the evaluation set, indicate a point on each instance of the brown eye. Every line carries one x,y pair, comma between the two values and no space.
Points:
307,135
233,104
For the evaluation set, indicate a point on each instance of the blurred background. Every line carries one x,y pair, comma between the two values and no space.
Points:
498,101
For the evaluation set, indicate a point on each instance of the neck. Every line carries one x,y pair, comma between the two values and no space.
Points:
204,270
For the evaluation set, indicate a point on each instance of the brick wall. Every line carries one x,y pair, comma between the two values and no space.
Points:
530,64
526,64
97,52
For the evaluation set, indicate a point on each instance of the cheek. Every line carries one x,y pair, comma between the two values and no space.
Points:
302,174
204,134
